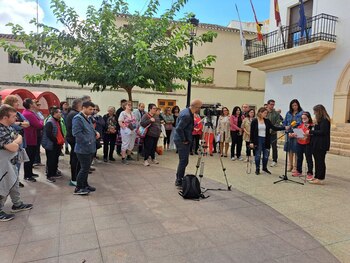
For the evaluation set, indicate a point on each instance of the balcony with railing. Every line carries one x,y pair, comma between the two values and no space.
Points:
288,48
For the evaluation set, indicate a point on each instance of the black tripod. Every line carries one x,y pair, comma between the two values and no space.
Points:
284,177
200,166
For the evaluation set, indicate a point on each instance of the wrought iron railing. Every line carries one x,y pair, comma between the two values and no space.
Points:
319,27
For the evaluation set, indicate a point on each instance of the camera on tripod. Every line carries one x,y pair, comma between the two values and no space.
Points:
209,110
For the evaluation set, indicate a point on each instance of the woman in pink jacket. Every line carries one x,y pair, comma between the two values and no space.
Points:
236,120
31,135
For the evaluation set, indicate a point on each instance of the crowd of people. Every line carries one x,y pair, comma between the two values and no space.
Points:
79,130
303,137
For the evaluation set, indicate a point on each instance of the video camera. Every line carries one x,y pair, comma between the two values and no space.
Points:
208,110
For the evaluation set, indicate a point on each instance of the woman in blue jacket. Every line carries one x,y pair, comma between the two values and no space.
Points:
290,145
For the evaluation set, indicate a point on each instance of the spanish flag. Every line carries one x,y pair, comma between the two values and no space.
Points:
258,27
277,14
278,18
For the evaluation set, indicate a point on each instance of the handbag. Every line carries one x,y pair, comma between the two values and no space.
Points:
142,131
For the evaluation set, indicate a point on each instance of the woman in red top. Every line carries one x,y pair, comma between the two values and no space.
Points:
303,147
236,120
196,133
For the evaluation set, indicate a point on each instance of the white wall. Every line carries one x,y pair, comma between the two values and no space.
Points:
312,84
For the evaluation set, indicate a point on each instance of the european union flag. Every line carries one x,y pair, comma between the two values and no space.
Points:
302,19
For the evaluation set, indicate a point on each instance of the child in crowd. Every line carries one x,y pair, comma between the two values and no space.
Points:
303,146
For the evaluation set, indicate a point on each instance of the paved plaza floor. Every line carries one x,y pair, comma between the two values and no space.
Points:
136,215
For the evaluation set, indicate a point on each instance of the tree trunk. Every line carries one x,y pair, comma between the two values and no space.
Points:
128,89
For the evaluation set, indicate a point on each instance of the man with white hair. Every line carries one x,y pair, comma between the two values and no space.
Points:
183,137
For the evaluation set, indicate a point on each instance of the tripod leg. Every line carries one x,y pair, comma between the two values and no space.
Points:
224,171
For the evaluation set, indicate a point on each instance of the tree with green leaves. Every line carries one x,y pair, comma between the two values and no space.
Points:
147,52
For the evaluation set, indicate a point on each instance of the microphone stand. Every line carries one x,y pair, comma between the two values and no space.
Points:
284,177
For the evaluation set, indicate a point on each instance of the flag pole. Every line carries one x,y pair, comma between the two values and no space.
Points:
279,22
258,28
243,40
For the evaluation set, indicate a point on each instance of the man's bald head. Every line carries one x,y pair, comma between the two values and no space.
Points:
196,105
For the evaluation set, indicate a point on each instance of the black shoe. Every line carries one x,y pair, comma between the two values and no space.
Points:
111,159
51,179
30,179
257,172
191,153
79,191
58,172
92,169
129,158
20,184
266,171
35,175
177,183
57,176
6,217
105,160
90,188
21,207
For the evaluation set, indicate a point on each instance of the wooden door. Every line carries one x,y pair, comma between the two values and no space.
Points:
166,103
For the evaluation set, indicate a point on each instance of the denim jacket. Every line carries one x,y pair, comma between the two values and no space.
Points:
85,135
290,118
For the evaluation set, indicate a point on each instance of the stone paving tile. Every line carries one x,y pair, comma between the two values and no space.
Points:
38,233
112,221
209,255
178,225
77,227
136,215
148,231
161,247
7,253
47,260
126,253
78,242
38,250
192,241
89,256
10,237
115,236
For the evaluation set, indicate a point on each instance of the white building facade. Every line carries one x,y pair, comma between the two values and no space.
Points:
313,69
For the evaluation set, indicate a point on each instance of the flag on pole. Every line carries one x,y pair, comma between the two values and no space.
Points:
302,19
243,41
258,27
278,18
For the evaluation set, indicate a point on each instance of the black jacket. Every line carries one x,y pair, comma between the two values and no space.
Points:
254,132
321,136
69,125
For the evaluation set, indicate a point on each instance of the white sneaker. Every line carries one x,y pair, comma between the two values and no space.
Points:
155,161
273,164
233,159
240,158
146,163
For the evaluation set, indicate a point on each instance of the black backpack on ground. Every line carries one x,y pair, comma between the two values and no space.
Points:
191,188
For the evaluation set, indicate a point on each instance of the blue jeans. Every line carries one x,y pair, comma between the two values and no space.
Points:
184,153
85,163
265,152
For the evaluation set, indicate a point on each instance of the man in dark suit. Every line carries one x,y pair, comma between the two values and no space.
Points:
183,137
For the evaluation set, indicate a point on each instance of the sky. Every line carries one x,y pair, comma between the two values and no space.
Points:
219,12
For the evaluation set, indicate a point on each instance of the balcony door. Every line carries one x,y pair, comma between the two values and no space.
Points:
294,35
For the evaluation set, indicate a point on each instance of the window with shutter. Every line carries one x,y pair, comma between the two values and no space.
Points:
243,79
